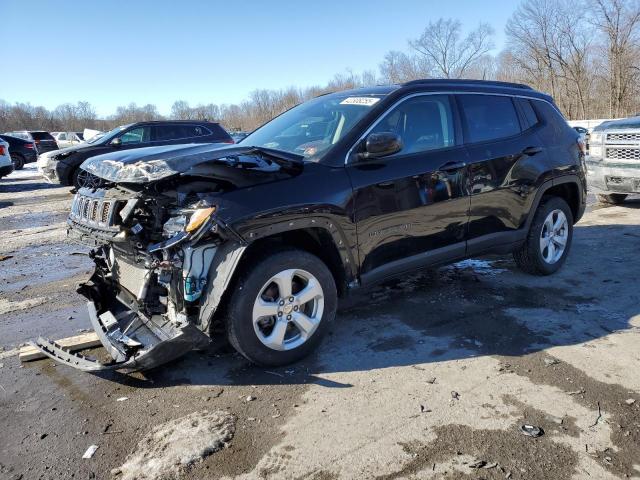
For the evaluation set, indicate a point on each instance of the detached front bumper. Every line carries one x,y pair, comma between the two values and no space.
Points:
133,340
610,177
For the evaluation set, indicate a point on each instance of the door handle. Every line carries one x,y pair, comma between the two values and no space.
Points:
385,184
532,150
452,166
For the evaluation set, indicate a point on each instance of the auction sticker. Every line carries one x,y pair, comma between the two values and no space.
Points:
365,101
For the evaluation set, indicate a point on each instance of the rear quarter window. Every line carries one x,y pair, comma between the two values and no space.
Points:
489,117
219,133
556,127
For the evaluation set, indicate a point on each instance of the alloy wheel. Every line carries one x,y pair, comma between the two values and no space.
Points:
288,309
554,236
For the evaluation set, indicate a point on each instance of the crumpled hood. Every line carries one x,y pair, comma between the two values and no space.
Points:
150,164
631,122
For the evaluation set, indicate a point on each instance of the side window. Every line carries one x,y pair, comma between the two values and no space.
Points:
489,117
176,132
423,122
529,113
136,135
62,136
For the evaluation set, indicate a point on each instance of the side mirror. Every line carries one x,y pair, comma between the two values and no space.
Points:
116,142
381,145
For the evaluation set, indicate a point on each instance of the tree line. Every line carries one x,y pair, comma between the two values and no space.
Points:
585,53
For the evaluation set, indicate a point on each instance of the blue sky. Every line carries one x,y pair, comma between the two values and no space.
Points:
204,51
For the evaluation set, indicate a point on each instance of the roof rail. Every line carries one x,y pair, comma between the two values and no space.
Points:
468,81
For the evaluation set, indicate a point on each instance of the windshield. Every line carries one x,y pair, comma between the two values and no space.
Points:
311,128
105,137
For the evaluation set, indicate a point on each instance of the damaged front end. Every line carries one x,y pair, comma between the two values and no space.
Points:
162,259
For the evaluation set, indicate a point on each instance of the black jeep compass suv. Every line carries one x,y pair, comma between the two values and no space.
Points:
258,240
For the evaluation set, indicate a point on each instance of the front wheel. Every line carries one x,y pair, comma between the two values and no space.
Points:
549,239
281,308
612,198
83,179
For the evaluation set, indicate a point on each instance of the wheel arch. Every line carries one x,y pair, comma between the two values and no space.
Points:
566,187
318,235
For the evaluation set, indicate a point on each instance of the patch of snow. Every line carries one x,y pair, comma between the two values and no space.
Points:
482,267
172,446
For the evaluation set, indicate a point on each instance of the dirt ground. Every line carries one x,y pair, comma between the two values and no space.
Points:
430,376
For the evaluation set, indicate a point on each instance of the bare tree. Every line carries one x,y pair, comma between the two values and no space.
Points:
442,45
619,21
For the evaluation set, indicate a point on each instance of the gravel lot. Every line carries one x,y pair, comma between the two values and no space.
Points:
425,377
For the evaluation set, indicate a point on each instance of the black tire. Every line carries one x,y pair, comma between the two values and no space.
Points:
18,161
529,257
612,198
239,320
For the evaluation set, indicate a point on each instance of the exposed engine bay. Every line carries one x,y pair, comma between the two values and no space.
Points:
162,260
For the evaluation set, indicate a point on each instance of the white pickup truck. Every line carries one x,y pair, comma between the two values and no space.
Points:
613,164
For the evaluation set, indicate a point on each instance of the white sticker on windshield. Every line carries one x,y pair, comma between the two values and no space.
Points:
365,101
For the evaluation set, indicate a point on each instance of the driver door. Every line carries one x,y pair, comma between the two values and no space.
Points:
411,208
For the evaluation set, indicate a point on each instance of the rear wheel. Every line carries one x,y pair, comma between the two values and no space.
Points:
18,161
612,198
549,238
281,308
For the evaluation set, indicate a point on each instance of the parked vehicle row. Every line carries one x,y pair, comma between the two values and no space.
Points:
62,166
43,141
21,151
68,139
257,241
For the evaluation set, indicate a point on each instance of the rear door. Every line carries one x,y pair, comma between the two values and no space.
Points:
411,207
501,171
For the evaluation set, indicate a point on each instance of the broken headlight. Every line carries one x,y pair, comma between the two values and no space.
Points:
174,225
187,223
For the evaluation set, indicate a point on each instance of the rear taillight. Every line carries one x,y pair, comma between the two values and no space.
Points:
582,147
29,145
228,141
2,151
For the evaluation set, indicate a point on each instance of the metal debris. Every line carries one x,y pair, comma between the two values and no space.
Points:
122,399
455,395
424,409
249,398
432,380
477,464
531,431
598,417
577,392
90,451
629,401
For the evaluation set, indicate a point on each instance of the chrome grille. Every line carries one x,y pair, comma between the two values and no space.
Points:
618,137
94,210
623,154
